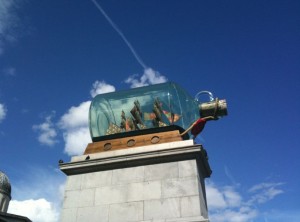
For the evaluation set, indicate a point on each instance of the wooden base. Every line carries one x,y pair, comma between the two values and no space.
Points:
134,141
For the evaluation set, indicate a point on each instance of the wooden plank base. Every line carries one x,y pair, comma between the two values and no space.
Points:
134,141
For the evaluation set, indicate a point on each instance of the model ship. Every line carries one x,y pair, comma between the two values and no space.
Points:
135,120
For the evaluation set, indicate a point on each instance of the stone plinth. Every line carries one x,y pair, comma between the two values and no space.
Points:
161,183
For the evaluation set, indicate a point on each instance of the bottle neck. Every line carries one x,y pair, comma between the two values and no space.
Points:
216,108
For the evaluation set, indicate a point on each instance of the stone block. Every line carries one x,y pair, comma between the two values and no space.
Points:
144,191
73,182
110,195
97,213
68,215
153,221
96,179
70,199
190,206
188,219
180,187
126,212
161,209
79,198
185,219
187,168
128,175
161,171
87,198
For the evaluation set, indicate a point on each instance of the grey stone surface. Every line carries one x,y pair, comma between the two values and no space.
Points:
144,191
161,171
187,168
126,212
128,175
111,195
97,179
97,213
68,215
162,209
202,196
160,192
190,206
179,187
134,156
203,207
154,220
70,199
188,219
185,219
73,182
80,198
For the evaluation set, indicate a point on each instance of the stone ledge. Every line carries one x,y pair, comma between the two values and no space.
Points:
175,151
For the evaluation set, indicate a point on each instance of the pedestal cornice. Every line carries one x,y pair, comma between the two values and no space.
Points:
162,153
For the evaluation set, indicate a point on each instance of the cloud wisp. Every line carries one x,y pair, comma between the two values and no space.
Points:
120,33
47,132
3,112
10,71
100,87
226,204
8,22
149,77
264,192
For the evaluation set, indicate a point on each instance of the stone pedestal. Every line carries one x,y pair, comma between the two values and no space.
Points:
155,183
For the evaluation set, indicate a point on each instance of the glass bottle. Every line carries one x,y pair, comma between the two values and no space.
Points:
141,110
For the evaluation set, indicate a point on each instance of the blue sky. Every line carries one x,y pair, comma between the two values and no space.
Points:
55,55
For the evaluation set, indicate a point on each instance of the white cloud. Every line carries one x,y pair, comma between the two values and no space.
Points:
39,210
47,132
226,204
220,198
3,112
215,198
100,87
38,196
149,77
76,117
77,140
74,123
75,128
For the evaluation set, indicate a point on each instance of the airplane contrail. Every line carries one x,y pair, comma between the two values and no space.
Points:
116,28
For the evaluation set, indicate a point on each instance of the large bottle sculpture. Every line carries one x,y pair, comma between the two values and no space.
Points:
147,109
